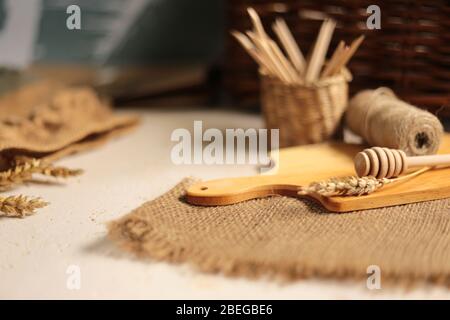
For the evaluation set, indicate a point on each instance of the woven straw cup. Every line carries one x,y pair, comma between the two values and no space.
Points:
304,114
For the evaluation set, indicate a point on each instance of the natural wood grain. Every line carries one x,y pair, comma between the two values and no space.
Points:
299,166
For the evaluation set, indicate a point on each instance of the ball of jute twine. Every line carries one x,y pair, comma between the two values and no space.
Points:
384,120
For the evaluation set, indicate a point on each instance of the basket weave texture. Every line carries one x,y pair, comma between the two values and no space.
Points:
304,114
409,54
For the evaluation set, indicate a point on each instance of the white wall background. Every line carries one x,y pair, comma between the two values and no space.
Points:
19,32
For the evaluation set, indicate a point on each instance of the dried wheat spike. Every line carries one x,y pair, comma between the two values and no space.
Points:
24,168
19,206
59,172
354,186
346,186
18,174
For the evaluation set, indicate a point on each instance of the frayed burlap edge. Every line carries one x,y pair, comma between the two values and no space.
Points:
159,248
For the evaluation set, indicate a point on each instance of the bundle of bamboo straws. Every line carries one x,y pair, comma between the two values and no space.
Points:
295,69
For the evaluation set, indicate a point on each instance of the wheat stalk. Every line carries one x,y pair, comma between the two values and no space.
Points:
353,186
24,168
19,206
22,171
345,186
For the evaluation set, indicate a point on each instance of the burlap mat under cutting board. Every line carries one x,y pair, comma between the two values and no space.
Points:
292,238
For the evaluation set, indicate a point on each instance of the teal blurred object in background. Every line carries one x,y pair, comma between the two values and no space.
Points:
117,31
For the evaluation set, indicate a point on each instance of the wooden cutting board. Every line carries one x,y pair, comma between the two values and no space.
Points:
299,166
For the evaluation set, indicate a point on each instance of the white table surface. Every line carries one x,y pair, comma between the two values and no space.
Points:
35,252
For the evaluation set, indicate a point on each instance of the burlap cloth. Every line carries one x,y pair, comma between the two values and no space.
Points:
292,238
47,120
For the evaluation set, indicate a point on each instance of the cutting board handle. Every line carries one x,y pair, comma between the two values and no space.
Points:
229,191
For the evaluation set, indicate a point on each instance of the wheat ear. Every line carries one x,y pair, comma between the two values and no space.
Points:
353,186
24,168
19,206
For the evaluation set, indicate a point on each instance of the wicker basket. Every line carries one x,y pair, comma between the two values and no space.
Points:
304,114
410,53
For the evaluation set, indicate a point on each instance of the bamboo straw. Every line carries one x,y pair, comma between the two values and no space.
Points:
264,48
333,60
320,49
262,41
262,51
348,55
336,68
257,23
287,40
289,64
294,77
250,48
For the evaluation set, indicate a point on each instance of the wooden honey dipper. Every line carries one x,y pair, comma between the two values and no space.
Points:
387,163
